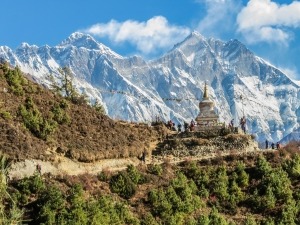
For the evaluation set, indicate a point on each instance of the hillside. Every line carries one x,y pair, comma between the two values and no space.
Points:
135,89
189,180
256,189
35,121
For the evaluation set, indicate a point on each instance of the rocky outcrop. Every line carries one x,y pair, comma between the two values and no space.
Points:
199,147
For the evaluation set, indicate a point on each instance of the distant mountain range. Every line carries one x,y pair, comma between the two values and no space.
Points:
171,86
294,136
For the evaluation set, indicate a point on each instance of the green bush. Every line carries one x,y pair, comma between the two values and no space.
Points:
242,176
60,115
262,167
203,220
34,121
105,210
215,218
160,205
135,175
268,221
103,176
5,115
250,221
33,184
155,169
122,185
148,219
15,80
292,166
99,107
220,184
280,183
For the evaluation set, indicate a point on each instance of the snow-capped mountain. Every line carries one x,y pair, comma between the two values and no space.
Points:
171,86
294,136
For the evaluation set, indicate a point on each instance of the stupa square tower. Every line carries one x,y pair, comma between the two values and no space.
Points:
207,116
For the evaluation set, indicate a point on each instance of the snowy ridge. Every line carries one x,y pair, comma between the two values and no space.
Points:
134,89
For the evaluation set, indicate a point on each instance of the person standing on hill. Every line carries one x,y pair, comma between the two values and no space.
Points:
144,156
179,127
192,125
273,145
186,126
278,145
243,124
231,123
39,169
267,144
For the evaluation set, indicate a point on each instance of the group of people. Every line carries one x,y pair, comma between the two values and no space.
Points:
278,145
243,122
187,126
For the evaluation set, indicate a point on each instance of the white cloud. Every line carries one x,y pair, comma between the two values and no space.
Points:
149,37
264,20
219,18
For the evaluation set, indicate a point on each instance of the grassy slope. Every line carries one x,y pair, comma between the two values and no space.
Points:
89,136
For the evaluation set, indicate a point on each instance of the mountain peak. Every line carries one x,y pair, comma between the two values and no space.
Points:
196,34
79,39
193,39
25,45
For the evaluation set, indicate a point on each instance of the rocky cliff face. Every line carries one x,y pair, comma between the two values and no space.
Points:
171,86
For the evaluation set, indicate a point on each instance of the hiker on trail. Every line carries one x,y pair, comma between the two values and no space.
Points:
278,145
192,125
186,126
171,125
39,168
267,144
231,123
273,145
243,123
179,127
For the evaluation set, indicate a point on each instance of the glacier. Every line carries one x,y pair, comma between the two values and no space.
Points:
171,86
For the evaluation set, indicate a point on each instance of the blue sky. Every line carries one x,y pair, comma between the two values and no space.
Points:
270,28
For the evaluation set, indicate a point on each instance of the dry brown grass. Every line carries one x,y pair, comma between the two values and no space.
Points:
87,138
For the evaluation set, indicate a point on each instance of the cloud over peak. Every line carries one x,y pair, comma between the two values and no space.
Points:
267,21
148,37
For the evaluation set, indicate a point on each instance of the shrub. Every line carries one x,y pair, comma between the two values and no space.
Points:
33,184
242,176
122,185
34,121
5,115
148,219
155,169
135,175
220,184
250,221
280,183
15,80
268,221
160,204
215,218
59,114
104,175
203,220
262,167
99,107
292,166
52,206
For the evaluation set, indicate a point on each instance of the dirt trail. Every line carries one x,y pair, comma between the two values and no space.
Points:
64,165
